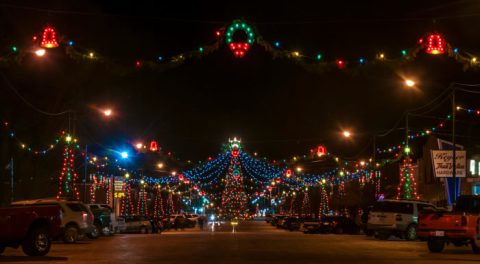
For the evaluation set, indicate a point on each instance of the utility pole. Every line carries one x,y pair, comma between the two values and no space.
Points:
85,175
12,184
454,156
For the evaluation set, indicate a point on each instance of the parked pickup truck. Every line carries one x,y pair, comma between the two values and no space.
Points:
31,227
459,227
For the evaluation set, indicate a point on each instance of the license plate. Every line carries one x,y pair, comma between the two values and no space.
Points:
439,233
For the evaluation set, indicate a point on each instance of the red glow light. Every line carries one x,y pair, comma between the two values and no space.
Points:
435,44
49,38
153,146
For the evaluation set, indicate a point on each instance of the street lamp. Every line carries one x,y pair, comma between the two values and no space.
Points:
347,134
40,52
124,155
409,83
107,112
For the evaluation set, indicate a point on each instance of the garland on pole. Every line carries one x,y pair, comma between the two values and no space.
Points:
67,181
142,208
323,208
407,188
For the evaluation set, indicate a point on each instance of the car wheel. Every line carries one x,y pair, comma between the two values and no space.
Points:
435,245
476,240
411,232
94,233
143,230
71,234
106,231
369,233
37,243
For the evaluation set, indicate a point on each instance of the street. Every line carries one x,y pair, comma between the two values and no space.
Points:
253,242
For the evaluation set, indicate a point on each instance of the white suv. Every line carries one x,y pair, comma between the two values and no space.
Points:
396,217
77,218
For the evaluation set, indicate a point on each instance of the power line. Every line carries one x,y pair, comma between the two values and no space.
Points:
25,101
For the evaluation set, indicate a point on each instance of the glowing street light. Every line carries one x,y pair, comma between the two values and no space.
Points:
347,134
107,112
160,165
409,83
40,52
299,169
139,145
124,155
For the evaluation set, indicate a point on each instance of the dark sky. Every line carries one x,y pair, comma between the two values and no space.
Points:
278,107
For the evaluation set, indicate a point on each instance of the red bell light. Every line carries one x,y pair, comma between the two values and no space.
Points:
181,177
321,151
340,64
288,173
435,44
49,38
153,146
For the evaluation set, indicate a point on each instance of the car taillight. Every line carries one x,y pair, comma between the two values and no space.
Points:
84,216
398,217
464,220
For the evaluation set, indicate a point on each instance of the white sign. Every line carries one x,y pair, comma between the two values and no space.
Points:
118,186
442,163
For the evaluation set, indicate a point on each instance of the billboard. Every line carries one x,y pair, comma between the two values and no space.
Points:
443,165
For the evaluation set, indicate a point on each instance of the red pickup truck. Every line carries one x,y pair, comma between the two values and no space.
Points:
31,227
459,227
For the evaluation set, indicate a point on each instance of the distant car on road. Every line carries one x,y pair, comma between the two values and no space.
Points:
77,218
311,225
292,223
268,218
396,217
134,224
30,226
339,225
103,219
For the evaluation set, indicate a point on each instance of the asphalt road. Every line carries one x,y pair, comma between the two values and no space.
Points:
253,242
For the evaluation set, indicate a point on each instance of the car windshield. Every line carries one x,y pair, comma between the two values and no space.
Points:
76,207
393,207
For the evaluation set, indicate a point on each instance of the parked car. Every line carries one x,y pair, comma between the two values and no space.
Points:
192,217
364,221
102,219
77,219
276,218
339,225
396,217
311,225
181,221
31,226
459,227
134,224
292,223
268,218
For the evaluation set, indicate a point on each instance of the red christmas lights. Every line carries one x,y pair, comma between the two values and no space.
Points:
153,146
435,44
49,38
239,49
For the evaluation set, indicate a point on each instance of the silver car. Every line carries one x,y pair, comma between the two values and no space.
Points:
396,217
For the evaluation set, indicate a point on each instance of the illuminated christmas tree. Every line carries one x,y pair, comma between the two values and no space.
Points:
407,188
234,199
67,182
142,208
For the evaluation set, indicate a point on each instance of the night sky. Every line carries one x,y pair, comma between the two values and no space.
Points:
277,106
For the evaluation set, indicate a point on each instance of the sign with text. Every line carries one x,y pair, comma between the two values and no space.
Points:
118,186
442,163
